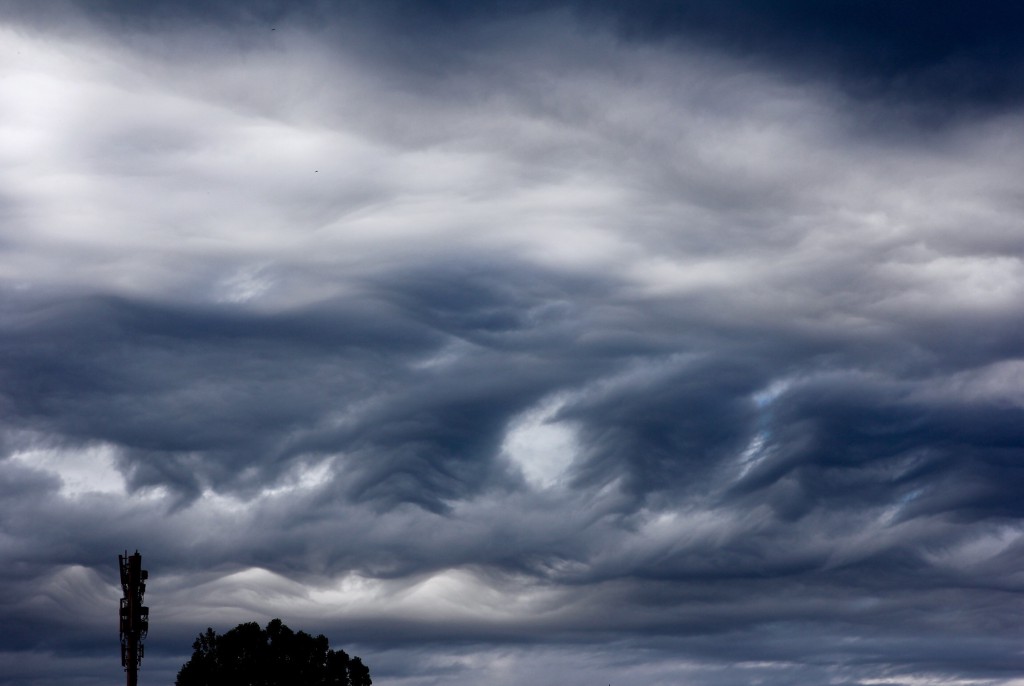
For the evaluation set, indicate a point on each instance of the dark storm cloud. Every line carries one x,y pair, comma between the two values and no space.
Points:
161,380
837,447
170,383
510,342
950,52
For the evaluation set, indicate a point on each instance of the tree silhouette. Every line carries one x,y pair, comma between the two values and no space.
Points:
276,656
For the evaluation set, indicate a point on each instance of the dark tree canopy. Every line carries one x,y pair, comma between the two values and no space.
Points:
276,656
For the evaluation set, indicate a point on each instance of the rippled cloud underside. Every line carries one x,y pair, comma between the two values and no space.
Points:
503,343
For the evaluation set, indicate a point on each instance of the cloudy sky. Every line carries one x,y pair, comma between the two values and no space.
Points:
652,343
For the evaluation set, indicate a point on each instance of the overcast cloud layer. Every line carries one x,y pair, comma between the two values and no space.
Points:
517,343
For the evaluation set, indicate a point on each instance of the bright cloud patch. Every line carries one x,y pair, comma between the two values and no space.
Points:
541,446
92,470
543,343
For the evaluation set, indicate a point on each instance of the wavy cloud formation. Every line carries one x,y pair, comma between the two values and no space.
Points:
518,342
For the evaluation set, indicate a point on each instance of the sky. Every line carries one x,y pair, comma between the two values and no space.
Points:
647,344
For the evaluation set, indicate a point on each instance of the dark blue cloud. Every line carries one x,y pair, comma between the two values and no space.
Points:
636,345
952,52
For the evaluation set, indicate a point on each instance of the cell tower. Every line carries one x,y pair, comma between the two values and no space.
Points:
134,615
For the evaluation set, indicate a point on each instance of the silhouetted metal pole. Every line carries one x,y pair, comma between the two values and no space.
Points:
134,615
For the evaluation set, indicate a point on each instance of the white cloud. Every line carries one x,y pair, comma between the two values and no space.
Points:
730,183
705,196
88,470
541,446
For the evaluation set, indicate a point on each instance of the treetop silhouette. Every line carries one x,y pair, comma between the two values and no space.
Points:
276,656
